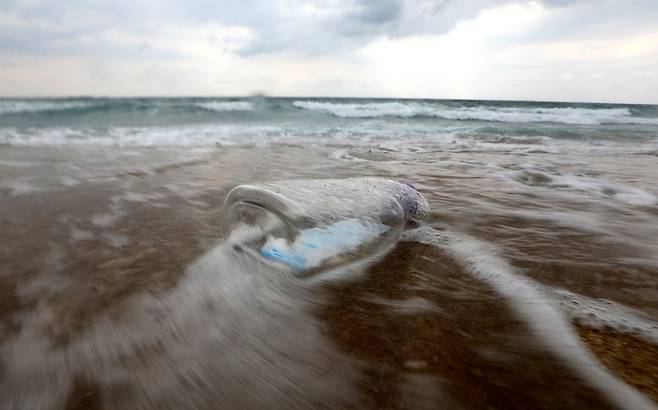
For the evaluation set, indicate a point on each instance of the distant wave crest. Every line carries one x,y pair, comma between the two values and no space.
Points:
567,115
269,109
368,110
12,107
26,106
226,106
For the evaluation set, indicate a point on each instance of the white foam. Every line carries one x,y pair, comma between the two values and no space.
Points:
342,155
226,106
366,110
398,137
409,306
130,196
68,181
231,332
107,219
603,313
19,186
54,136
80,235
531,303
185,136
601,187
398,141
34,106
575,116
103,220
620,192
569,115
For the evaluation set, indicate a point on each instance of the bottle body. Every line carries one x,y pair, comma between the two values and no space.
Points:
313,225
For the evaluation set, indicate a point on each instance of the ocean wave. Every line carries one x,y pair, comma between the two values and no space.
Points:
37,106
564,115
570,115
117,110
225,106
193,136
13,107
367,110
403,140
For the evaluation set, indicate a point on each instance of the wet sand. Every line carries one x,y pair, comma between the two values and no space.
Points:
464,340
95,310
426,335
629,357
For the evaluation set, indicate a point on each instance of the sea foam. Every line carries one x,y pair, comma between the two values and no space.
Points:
226,106
408,109
36,106
531,303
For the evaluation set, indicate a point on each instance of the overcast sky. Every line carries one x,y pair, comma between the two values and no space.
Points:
575,50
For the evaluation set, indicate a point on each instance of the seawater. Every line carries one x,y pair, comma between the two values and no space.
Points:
398,124
531,283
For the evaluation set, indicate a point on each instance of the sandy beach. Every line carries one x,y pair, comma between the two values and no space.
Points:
115,291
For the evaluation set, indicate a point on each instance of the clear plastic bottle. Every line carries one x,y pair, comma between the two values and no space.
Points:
313,225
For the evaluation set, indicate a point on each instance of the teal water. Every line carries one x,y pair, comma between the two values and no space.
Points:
400,124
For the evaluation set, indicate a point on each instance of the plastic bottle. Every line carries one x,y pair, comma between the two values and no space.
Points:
313,225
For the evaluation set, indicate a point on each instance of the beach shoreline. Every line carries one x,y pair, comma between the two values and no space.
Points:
115,291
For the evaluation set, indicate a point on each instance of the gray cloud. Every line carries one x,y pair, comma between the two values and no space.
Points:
279,26
376,11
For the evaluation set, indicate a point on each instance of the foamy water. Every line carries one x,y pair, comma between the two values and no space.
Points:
481,126
118,284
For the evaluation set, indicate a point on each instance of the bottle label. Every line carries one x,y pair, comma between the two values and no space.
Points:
313,246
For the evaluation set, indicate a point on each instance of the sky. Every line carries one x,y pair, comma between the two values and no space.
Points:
565,50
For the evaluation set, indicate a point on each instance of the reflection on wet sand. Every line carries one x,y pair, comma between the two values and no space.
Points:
470,347
115,291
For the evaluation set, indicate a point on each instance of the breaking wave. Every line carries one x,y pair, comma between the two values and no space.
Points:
514,114
28,106
462,126
280,108
226,106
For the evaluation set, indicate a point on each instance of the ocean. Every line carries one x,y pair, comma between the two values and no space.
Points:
448,125
532,283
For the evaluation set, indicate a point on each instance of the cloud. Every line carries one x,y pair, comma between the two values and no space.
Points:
302,27
297,26
431,48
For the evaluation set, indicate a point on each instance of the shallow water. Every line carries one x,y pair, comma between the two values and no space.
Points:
532,283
